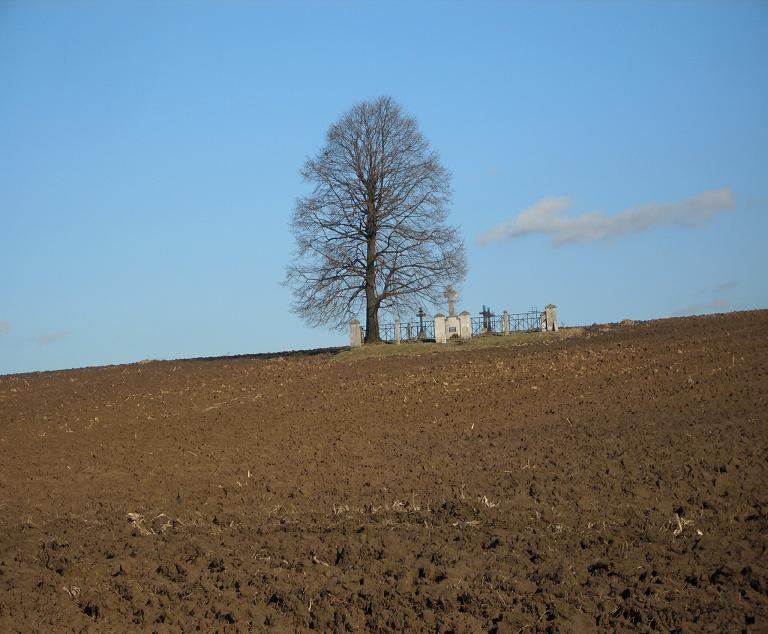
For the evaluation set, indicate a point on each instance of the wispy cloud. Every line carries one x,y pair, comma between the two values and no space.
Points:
717,305
755,203
5,327
52,337
547,216
726,286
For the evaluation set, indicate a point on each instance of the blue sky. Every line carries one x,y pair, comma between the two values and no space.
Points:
610,158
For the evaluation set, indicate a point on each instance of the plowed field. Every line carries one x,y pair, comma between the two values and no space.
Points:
616,479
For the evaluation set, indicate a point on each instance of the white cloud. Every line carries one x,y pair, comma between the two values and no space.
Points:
5,327
51,337
547,216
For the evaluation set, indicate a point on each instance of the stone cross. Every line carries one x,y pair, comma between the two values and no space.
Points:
487,314
451,295
421,314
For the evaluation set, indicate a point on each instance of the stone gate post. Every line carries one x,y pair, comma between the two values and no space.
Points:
397,331
355,334
440,328
505,322
551,317
465,325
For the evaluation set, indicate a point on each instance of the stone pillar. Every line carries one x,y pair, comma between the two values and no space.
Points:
397,331
551,316
440,328
543,321
505,322
355,334
465,325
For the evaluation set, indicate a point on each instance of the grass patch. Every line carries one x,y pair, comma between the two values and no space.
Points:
381,350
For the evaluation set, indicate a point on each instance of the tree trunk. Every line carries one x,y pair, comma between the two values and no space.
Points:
371,322
371,301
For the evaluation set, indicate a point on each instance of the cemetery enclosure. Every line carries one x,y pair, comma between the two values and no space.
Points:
440,328
610,480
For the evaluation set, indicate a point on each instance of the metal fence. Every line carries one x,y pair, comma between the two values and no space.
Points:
409,331
522,322
518,322
487,323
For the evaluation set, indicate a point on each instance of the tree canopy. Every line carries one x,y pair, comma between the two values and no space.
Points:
372,235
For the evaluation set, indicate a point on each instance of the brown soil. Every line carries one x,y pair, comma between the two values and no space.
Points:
614,480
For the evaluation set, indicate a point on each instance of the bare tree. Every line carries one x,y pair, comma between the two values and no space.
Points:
373,231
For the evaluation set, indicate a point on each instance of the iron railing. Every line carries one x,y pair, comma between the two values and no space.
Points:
523,322
409,331
487,324
518,322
